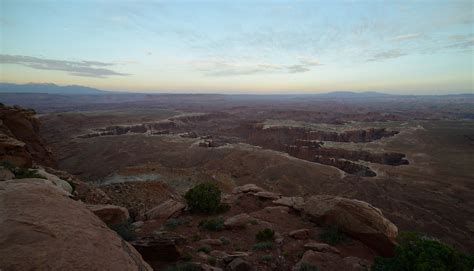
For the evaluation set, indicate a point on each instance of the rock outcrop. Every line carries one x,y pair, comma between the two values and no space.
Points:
357,218
165,210
20,142
43,229
110,214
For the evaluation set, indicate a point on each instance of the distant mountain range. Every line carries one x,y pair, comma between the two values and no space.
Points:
49,89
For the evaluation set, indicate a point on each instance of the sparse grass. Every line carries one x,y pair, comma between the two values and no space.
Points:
206,250
187,266
308,267
267,258
212,224
332,236
262,246
173,223
265,235
125,230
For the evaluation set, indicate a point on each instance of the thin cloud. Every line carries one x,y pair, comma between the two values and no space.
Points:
223,67
406,37
76,68
387,55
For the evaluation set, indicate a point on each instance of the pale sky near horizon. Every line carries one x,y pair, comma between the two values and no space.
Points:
415,47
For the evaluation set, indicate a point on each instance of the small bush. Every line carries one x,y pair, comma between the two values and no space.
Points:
267,258
211,260
418,252
21,173
206,250
184,267
262,246
212,224
224,240
205,198
332,236
265,235
196,238
125,230
308,267
254,222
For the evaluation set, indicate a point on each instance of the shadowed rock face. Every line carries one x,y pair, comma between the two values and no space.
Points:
19,138
279,136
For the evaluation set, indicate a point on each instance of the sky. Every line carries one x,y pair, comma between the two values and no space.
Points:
287,47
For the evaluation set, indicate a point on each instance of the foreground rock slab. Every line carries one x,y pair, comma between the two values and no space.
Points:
357,218
42,229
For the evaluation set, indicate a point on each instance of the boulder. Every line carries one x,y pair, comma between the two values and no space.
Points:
296,203
357,218
237,221
41,228
110,214
321,247
281,209
301,234
239,264
165,210
267,195
247,188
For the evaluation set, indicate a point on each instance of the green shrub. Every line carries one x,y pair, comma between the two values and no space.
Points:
265,235
262,246
308,267
204,197
420,253
125,230
254,222
187,266
206,250
212,224
332,236
267,258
